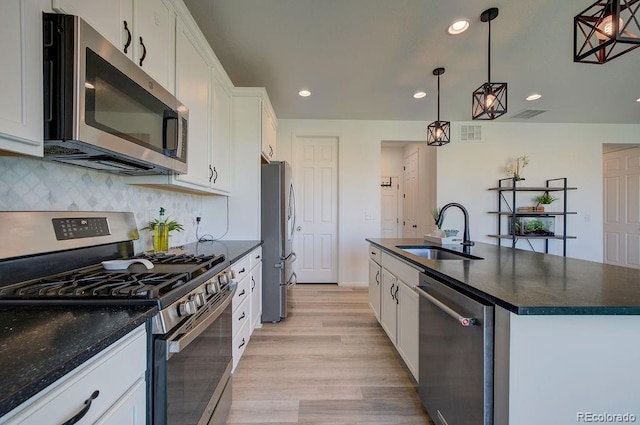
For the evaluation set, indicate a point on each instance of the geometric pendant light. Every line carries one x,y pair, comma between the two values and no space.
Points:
438,132
490,99
606,30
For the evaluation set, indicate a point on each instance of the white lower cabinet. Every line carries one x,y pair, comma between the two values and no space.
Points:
375,288
399,304
256,288
247,301
114,380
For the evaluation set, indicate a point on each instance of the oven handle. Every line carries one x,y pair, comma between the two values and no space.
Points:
176,346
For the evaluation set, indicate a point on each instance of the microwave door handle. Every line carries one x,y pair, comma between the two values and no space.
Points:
169,115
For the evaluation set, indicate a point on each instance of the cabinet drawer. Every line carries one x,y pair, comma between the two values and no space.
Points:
242,292
401,270
374,253
255,257
112,373
240,343
241,316
241,268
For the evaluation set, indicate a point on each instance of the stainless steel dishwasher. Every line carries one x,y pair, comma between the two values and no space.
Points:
456,355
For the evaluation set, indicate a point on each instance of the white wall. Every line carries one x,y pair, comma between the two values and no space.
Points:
465,172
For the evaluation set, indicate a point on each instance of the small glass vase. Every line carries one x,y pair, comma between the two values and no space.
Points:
161,238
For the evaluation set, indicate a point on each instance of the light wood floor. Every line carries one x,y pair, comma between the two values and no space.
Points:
329,362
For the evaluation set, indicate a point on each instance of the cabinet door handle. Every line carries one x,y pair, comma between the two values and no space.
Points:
415,226
210,173
270,151
392,286
242,344
144,51
253,283
396,293
85,409
378,277
216,172
128,42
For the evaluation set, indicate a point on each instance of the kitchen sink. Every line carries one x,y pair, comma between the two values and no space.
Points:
436,252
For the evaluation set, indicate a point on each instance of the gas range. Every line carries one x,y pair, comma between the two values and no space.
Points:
57,269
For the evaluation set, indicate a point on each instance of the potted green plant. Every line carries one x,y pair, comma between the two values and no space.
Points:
161,227
544,199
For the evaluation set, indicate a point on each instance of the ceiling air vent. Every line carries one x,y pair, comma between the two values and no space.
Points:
528,113
470,133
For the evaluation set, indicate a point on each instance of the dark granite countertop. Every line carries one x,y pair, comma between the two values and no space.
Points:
233,250
526,282
40,344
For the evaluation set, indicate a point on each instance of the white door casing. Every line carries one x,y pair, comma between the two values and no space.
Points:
410,196
622,207
315,174
389,200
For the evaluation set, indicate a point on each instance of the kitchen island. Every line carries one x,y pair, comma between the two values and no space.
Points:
566,344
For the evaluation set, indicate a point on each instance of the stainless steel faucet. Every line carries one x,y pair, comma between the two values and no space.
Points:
440,219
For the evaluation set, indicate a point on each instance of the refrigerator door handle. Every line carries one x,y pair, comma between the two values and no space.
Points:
292,210
292,280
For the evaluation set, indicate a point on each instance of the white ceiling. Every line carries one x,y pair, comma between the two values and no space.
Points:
363,59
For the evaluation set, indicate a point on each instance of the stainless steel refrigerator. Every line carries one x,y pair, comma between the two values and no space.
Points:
278,227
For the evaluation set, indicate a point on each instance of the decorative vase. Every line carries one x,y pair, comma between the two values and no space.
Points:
161,238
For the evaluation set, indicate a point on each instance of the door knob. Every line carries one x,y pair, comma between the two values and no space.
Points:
298,228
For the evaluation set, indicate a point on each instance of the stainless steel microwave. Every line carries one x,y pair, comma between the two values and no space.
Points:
101,110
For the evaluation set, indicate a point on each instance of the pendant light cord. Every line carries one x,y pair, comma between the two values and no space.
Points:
438,99
489,54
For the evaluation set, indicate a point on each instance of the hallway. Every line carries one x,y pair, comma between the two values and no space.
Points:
329,362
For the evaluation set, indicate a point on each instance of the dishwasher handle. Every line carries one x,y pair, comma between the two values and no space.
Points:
464,321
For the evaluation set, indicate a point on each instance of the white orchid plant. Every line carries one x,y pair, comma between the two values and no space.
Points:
513,168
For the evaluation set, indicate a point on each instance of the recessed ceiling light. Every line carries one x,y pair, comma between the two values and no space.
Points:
304,93
638,99
419,94
458,27
534,96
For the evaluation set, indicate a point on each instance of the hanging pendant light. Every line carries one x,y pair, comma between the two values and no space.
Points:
438,132
490,99
606,30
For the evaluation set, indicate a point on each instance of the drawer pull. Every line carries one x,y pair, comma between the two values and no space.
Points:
243,316
242,293
85,409
242,344
242,271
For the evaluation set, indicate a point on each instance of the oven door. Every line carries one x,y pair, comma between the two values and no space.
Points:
192,369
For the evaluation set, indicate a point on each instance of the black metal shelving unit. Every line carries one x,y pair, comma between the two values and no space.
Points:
509,208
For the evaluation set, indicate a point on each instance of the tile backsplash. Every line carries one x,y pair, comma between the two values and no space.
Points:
35,185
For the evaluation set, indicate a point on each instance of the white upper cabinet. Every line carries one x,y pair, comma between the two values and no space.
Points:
220,133
202,85
154,40
192,88
112,19
268,133
21,82
143,29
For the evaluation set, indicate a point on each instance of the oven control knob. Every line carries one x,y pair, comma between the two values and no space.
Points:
231,274
199,299
223,279
211,287
187,308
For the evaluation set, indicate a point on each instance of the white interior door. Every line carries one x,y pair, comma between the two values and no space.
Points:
622,208
410,196
389,199
316,178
